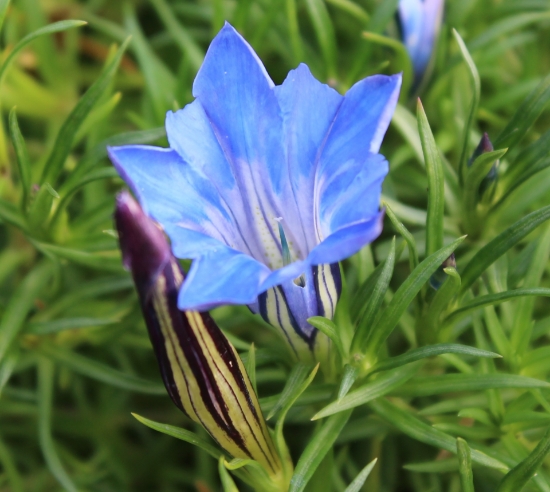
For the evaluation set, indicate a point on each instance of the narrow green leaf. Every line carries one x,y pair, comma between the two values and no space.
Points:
407,125
492,300
446,383
40,209
369,391
476,93
89,290
182,434
349,377
465,465
299,379
57,325
90,177
363,294
180,34
251,366
21,155
7,366
523,318
4,4
50,29
93,156
502,243
324,31
294,31
402,57
407,236
404,296
431,351
100,372
319,445
516,479
530,109
65,137
351,8
329,328
6,460
47,445
228,484
160,82
381,16
360,479
372,309
436,183
295,387
21,302
102,260
506,25
10,214
540,166
415,428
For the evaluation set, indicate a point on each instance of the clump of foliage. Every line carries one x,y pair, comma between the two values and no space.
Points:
452,392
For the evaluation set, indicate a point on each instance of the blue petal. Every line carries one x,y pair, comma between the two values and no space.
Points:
238,98
347,241
352,195
308,108
362,120
174,195
222,277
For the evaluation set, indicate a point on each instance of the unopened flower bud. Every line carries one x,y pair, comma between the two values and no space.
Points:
202,371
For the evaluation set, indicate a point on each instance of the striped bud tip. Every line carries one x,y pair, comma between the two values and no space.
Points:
201,370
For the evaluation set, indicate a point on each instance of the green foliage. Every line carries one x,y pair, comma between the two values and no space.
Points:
415,373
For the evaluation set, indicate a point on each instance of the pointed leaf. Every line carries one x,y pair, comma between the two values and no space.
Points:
182,434
413,427
50,29
65,137
350,375
329,328
502,243
21,155
360,479
436,183
465,465
369,391
452,383
228,484
47,445
525,116
96,370
431,351
492,300
319,445
405,295
372,309
516,479
476,93
21,302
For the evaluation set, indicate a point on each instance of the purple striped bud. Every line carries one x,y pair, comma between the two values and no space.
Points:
201,370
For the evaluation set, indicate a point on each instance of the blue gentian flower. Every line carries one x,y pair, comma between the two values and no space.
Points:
420,21
266,187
